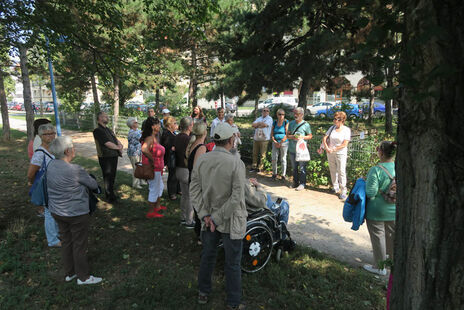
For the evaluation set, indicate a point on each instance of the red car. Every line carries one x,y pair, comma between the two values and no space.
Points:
18,107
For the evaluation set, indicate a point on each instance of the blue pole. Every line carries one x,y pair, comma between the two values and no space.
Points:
52,79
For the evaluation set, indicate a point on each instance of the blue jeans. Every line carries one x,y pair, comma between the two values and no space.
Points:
299,177
282,151
51,228
233,257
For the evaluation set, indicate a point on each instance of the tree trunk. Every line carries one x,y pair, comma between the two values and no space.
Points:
193,86
389,105
96,102
157,99
116,102
256,107
305,86
26,92
429,243
4,109
371,103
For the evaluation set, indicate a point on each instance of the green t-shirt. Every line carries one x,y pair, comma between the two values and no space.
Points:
303,130
377,208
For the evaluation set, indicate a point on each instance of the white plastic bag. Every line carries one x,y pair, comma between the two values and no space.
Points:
302,152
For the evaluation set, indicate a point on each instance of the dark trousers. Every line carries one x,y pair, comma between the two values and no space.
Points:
109,166
233,256
173,183
74,233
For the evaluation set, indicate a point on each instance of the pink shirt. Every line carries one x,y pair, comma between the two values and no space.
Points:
158,157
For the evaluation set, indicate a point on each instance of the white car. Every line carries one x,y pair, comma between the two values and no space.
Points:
286,100
320,106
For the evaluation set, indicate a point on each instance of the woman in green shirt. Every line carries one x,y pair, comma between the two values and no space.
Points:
380,215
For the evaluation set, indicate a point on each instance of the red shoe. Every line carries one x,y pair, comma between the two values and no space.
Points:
159,208
153,214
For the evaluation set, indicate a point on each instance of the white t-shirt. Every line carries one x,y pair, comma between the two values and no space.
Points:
267,130
337,138
37,142
38,157
214,123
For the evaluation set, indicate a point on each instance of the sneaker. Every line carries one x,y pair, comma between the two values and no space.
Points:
190,226
252,170
283,178
336,191
153,214
202,298
300,187
90,280
342,196
182,222
70,278
380,272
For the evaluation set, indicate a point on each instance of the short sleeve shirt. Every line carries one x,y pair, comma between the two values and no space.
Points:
336,138
303,130
39,155
267,130
102,135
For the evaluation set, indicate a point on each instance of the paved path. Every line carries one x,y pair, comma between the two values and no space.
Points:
315,216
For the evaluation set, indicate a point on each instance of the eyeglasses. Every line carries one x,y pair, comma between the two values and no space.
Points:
280,114
49,134
266,111
338,119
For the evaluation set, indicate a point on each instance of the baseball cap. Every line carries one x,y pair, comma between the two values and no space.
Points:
223,131
164,111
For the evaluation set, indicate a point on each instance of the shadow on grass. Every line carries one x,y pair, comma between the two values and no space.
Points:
150,263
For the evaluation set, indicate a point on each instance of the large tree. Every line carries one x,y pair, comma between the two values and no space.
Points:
429,244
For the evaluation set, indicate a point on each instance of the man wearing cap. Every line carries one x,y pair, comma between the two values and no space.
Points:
217,193
219,119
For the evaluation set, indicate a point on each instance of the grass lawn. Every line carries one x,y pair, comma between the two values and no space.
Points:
150,263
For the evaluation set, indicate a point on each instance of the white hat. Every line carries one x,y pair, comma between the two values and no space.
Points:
223,131
165,111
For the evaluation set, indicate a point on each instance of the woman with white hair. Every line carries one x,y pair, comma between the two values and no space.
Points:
41,157
134,147
68,188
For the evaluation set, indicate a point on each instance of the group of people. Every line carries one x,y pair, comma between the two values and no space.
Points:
284,135
215,206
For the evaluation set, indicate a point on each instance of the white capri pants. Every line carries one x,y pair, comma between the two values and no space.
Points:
155,187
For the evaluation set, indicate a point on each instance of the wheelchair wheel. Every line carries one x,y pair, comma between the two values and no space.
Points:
257,248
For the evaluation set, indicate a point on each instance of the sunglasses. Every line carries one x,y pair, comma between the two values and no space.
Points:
265,110
49,134
280,114
338,119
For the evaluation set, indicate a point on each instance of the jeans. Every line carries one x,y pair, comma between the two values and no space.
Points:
299,177
51,228
282,151
108,166
233,256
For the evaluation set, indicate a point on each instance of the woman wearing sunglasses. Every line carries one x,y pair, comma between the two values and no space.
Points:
335,143
279,143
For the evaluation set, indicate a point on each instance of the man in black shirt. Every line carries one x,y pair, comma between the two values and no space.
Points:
108,150
150,113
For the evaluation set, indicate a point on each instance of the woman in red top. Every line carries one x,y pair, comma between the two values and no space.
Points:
153,153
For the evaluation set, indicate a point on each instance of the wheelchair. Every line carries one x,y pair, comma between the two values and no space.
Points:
264,233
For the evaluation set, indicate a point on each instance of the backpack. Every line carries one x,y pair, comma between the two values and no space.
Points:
390,194
38,191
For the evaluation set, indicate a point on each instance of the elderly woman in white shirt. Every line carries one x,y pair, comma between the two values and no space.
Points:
335,143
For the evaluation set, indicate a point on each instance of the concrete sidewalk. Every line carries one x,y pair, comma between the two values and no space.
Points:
315,216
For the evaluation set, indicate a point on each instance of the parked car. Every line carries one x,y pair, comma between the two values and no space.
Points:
287,100
379,109
49,107
351,110
10,105
18,107
321,106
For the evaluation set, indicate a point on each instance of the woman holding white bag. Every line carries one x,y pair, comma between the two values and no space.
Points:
335,142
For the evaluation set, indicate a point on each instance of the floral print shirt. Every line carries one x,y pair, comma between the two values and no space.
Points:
134,146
